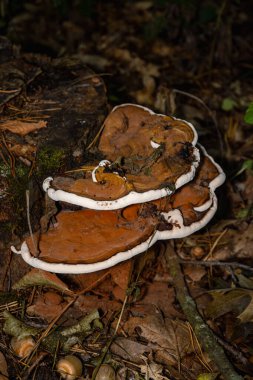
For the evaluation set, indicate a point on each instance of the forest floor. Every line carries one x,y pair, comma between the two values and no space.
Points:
178,58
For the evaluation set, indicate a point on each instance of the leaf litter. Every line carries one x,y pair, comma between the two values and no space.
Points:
154,340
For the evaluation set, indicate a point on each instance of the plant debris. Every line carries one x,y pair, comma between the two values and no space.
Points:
191,61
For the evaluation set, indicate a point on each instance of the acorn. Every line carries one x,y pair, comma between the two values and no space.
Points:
23,347
70,367
198,252
105,372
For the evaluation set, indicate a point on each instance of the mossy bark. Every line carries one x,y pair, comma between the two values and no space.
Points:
203,332
68,101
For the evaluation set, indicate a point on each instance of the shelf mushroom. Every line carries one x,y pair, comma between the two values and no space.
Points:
90,240
147,156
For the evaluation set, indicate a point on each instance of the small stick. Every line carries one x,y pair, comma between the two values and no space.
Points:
9,91
8,266
120,316
96,137
215,244
34,365
203,332
50,326
101,359
211,114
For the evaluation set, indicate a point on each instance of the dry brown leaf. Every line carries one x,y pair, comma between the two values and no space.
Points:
38,277
170,335
159,296
129,350
22,127
153,371
195,273
47,306
236,244
88,303
116,281
232,300
120,274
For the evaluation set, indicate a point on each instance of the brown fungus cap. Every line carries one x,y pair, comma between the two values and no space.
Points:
90,236
89,240
129,128
150,156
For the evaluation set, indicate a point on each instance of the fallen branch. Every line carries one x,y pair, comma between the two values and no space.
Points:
204,334
65,335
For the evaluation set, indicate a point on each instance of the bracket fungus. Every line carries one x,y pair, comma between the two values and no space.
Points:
147,156
108,231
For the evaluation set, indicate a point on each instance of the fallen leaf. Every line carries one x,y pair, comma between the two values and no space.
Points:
232,300
38,277
245,282
236,243
22,127
129,349
116,281
89,302
168,335
153,371
195,273
120,275
47,306
159,296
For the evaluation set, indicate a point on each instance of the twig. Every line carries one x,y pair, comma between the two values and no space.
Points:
198,351
93,284
8,91
6,272
210,112
106,348
120,316
96,137
11,156
204,334
215,244
50,326
216,263
234,351
35,364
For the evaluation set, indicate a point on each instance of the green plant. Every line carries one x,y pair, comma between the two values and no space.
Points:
248,117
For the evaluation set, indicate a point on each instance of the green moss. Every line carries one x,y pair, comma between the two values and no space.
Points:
17,180
18,186
49,160
5,170
15,183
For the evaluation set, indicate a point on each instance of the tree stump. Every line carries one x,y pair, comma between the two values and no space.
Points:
51,110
